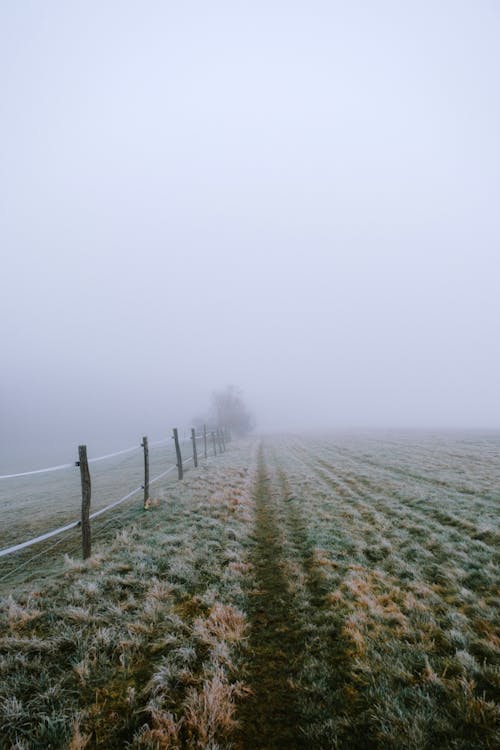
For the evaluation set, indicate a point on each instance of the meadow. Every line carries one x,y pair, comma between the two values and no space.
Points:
329,592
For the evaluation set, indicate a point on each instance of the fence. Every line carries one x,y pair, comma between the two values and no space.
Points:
218,438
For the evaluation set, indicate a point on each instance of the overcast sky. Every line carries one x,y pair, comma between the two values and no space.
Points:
300,198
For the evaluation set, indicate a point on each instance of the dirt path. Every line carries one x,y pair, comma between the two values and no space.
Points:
270,718
297,666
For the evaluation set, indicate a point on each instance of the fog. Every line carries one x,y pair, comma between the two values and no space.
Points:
300,198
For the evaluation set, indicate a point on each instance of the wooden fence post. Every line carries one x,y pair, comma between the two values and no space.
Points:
195,452
178,454
214,444
146,470
223,440
86,495
205,440
219,441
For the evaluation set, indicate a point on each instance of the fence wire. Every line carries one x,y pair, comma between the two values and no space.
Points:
73,524
97,533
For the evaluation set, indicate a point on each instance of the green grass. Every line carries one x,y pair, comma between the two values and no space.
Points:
294,594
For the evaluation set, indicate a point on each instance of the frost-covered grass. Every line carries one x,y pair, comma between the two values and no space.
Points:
307,593
33,505
403,640
141,644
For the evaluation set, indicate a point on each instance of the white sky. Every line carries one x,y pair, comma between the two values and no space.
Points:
301,198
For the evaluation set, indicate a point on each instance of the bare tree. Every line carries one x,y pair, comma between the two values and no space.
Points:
229,410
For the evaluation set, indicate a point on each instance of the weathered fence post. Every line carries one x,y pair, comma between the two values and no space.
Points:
86,494
178,454
195,452
223,440
214,444
146,470
205,440
219,441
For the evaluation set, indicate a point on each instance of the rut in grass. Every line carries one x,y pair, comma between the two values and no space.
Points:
327,690
269,719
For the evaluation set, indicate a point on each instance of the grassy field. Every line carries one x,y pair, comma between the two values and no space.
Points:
292,593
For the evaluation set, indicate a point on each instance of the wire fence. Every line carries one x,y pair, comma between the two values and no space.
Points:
30,500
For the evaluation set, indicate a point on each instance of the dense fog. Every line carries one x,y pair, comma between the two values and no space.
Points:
297,198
